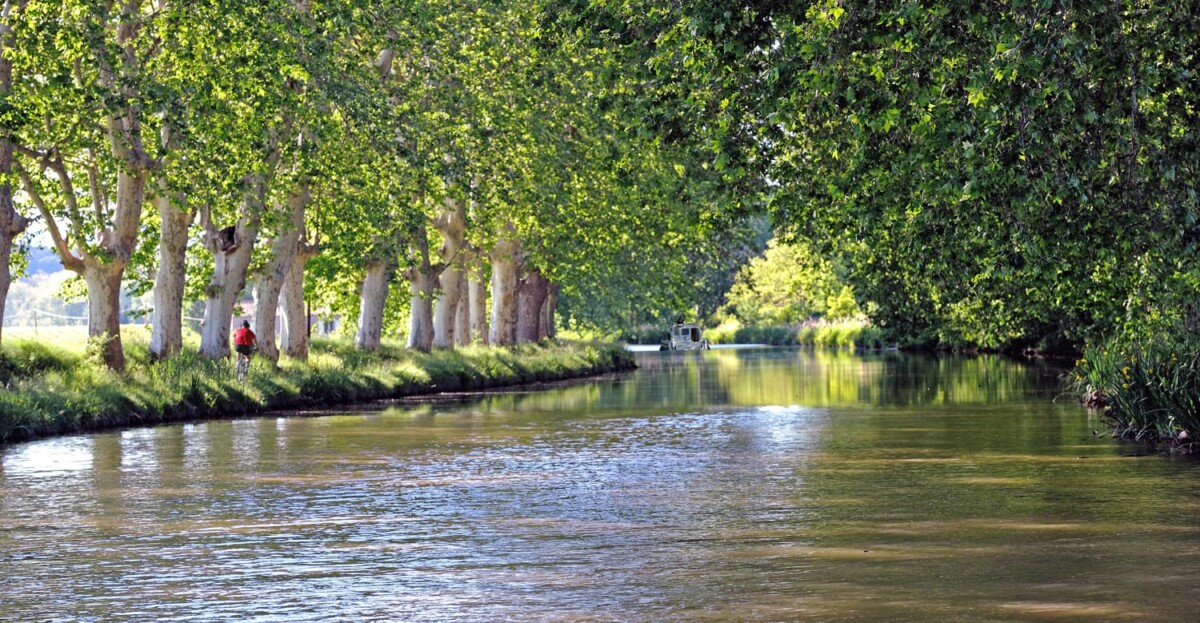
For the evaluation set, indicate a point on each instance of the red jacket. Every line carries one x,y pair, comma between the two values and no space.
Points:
243,337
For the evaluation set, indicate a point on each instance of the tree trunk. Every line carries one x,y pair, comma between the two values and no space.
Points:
231,259
420,325
269,281
531,296
452,225
11,223
462,317
6,244
445,309
546,326
104,310
477,302
371,305
104,303
166,321
295,335
422,279
506,263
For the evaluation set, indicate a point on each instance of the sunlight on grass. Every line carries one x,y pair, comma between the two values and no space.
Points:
50,387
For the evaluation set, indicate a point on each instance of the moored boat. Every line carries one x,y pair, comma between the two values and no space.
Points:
684,336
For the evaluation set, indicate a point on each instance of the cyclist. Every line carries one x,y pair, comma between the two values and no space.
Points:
244,342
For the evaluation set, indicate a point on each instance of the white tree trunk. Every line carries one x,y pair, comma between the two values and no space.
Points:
166,321
452,224
506,265
104,309
531,296
225,287
268,282
371,305
477,304
462,317
445,309
294,337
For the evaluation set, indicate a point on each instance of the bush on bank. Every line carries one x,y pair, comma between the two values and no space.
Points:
47,391
1148,388
832,334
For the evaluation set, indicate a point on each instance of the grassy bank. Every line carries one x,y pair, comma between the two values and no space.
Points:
1149,389
47,390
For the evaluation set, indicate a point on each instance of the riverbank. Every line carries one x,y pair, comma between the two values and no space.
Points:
47,391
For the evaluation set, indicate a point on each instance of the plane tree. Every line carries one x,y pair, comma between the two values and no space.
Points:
80,77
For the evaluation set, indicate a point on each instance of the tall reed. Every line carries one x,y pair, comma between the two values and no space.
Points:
1148,388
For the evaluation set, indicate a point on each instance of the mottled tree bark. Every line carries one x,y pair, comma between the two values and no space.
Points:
531,297
11,226
477,304
104,310
452,224
294,336
371,306
462,317
422,279
506,263
268,282
166,321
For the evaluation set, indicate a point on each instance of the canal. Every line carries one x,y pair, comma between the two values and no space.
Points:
731,485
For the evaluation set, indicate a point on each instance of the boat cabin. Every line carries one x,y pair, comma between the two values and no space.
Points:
684,336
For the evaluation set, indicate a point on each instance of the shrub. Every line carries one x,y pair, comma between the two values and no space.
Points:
724,333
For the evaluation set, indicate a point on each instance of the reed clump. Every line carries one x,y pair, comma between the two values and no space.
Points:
48,391
1148,388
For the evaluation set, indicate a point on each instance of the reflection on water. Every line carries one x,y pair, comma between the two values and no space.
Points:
770,485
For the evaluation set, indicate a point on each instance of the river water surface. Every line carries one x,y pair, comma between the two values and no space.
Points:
739,485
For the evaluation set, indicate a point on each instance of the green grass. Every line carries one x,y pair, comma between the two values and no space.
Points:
48,390
1149,389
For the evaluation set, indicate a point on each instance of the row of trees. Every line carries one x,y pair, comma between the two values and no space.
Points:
492,159
999,174
1003,174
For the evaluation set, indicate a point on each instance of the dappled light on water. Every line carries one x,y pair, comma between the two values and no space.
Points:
768,485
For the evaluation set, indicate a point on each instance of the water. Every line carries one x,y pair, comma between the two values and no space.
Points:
766,485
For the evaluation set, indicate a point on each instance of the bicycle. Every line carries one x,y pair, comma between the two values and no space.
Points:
242,367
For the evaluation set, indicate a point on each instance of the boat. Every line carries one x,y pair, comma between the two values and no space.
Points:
684,336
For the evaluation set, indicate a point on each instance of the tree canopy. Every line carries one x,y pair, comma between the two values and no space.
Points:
1000,174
